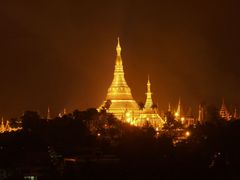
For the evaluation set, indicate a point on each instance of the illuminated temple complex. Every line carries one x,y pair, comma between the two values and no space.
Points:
122,104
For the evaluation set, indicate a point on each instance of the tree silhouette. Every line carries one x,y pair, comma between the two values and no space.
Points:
212,115
148,129
141,105
154,106
171,123
107,104
31,121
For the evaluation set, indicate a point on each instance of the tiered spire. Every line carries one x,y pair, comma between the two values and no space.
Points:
118,48
235,115
2,128
149,114
48,114
7,127
224,111
169,107
200,113
178,113
64,111
149,101
119,88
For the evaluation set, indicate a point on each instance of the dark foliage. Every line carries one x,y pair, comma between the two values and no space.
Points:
141,105
171,123
95,145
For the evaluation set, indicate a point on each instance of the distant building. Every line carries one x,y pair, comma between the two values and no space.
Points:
63,113
224,113
201,113
178,113
5,127
48,114
189,118
235,115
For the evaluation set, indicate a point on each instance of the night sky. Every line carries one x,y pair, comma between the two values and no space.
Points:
62,53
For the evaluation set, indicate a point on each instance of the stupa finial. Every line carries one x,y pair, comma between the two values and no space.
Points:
118,48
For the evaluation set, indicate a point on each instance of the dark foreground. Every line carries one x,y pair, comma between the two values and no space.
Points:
70,148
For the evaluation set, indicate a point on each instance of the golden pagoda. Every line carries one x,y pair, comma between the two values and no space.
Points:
122,104
149,113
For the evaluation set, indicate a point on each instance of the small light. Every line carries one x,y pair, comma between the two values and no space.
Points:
98,134
187,133
128,114
176,114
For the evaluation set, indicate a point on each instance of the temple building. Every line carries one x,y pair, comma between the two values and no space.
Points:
188,119
48,114
178,113
224,113
235,115
122,104
201,113
63,113
5,127
149,113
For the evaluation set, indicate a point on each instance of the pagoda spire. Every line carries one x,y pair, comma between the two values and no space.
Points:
169,107
2,128
64,111
235,116
223,103
119,88
149,101
48,114
150,114
118,48
118,65
7,128
224,111
200,113
178,113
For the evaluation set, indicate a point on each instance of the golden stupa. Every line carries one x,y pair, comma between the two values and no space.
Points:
122,104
